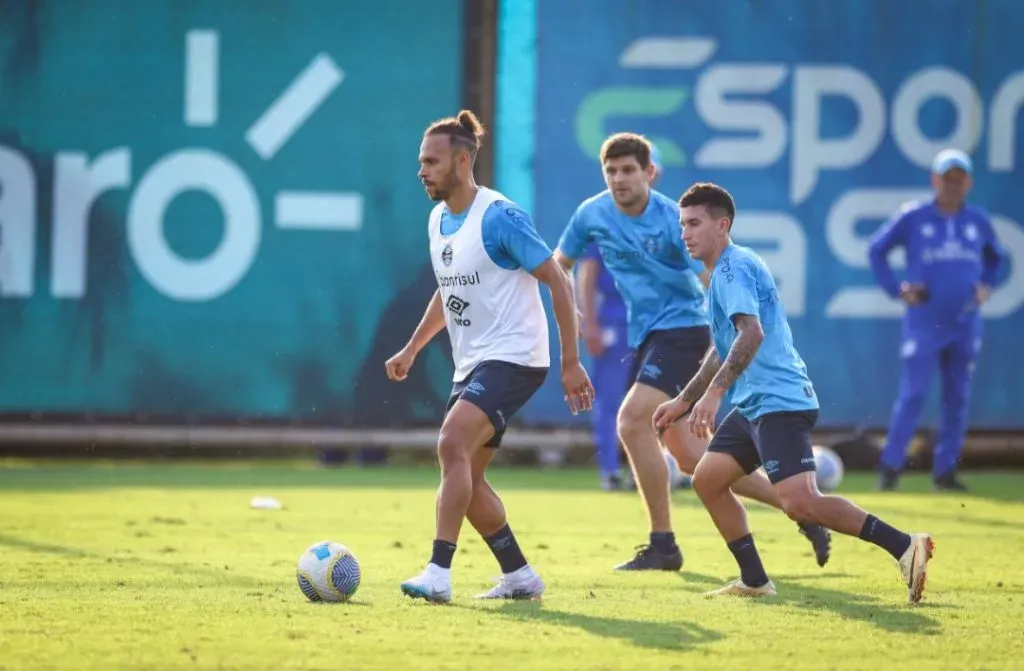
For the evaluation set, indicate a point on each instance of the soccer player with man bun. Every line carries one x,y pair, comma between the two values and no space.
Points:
489,262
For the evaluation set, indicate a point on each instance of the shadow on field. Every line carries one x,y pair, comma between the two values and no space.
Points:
677,636
205,574
893,615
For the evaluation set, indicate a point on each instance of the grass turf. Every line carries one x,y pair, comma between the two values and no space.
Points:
164,566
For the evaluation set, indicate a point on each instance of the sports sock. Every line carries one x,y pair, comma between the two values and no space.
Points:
442,554
751,569
893,541
664,542
506,550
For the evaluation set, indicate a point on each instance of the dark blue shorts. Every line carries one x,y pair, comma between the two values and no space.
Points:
668,360
500,389
779,441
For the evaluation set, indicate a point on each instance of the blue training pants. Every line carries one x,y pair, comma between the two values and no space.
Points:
953,353
611,382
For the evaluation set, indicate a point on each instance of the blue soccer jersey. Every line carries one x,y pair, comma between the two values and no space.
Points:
645,255
776,380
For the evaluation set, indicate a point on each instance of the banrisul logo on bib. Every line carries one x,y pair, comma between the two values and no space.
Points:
79,182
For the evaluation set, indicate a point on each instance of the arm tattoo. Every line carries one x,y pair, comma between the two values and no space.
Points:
700,382
741,353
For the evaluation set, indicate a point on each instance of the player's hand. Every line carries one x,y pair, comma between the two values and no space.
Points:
702,418
593,338
579,392
982,293
913,294
668,413
399,365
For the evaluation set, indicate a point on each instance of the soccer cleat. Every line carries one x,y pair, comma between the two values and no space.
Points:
433,585
914,565
614,483
888,480
821,540
948,482
521,584
739,588
649,559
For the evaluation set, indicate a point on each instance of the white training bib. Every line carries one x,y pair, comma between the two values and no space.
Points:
492,314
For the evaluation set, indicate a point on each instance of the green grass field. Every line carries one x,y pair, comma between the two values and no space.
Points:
164,566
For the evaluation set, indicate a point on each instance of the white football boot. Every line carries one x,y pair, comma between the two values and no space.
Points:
914,565
739,588
521,584
434,584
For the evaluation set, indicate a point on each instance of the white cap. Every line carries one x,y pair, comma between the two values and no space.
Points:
947,159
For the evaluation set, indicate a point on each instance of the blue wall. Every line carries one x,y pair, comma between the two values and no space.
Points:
819,133
281,313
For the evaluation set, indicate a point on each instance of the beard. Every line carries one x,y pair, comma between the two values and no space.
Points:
443,190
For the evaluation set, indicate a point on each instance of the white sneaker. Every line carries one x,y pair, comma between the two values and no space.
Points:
914,565
739,588
434,584
521,584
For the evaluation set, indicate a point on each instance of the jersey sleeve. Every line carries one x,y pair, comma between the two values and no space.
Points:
739,291
591,252
511,240
575,238
892,234
992,253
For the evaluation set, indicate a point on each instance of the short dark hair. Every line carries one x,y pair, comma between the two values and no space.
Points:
464,130
715,198
627,144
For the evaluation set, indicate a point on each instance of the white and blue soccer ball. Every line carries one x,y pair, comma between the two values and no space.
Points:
829,468
328,571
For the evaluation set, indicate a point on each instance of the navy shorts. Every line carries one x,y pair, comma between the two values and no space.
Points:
668,360
500,389
779,441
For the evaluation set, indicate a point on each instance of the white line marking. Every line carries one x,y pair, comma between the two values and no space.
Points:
294,106
202,69
319,210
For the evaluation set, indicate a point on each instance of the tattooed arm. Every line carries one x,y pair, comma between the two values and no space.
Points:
742,352
700,382
744,347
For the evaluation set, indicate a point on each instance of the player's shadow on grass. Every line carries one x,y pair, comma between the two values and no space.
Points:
794,591
205,573
676,636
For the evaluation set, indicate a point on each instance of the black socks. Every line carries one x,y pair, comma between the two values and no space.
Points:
751,569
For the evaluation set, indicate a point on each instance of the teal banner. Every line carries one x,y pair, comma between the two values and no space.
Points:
212,209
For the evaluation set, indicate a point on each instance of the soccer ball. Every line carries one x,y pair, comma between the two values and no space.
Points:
829,468
328,571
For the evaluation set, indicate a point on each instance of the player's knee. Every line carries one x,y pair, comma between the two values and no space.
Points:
453,449
633,420
913,397
799,506
707,483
